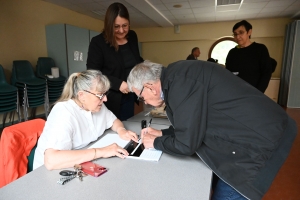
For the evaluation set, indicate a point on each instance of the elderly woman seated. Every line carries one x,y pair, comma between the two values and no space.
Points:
78,118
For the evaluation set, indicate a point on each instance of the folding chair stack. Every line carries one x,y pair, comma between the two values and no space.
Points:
54,85
32,90
9,102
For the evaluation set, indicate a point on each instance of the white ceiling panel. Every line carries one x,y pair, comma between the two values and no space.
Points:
252,11
182,12
203,3
273,9
188,16
204,9
245,16
246,6
280,3
187,21
184,5
162,13
161,7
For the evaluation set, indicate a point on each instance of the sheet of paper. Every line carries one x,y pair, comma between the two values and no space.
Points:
109,139
151,154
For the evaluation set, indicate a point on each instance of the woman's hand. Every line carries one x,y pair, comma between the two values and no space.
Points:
112,150
127,135
124,88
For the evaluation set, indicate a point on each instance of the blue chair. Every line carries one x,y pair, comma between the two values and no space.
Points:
32,90
9,100
54,85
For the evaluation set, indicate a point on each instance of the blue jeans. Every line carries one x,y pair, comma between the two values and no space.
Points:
223,191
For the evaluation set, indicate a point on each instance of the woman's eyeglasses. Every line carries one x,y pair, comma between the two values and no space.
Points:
140,98
100,96
124,27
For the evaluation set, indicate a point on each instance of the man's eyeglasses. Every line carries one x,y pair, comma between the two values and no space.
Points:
124,27
239,33
140,98
100,96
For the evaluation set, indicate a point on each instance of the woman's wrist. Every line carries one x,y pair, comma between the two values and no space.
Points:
120,128
95,154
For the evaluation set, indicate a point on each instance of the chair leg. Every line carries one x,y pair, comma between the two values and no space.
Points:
3,120
33,113
25,106
46,104
18,108
10,116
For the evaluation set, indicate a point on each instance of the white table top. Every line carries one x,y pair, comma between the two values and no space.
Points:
170,178
155,120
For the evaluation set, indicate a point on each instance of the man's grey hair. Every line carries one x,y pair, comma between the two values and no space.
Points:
145,72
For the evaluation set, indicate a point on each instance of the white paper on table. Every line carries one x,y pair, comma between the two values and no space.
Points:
109,139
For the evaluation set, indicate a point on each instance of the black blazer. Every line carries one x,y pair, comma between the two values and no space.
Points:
191,57
102,56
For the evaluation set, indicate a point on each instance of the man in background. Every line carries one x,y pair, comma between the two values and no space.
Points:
249,60
195,54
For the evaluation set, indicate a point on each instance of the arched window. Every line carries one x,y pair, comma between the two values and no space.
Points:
220,49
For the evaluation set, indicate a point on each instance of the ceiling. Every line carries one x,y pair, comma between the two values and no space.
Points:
163,13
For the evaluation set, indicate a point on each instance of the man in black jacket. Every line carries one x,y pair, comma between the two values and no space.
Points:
237,131
194,54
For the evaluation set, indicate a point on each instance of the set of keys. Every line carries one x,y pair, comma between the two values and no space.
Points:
69,175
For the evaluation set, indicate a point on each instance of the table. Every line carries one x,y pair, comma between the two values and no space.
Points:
170,178
155,120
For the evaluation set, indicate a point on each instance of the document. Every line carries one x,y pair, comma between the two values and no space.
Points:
109,139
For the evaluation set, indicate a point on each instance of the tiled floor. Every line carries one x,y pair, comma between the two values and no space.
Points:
286,185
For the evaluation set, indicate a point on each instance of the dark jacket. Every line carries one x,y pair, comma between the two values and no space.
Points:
240,133
252,64
191,57
103,57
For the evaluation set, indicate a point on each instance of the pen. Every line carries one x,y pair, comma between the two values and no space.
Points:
140,142
149,124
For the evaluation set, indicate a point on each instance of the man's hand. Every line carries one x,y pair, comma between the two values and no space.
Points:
148,136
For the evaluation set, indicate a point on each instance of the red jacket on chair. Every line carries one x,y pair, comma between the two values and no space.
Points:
15,145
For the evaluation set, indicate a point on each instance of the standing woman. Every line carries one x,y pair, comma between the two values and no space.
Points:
115,52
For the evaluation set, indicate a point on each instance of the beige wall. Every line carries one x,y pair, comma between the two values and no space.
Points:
162,45
22,34
22,28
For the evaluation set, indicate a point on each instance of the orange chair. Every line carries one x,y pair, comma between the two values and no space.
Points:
16,143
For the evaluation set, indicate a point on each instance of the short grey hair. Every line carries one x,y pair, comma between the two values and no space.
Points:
142,73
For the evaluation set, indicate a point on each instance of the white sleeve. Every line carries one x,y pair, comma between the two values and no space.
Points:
59,129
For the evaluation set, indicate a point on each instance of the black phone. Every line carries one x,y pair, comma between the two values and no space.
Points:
130,147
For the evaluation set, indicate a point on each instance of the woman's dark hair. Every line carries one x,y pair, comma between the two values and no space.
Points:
244,23
112,12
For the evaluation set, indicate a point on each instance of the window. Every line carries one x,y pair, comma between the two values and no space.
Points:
220,49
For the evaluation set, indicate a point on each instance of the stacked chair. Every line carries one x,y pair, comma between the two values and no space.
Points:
32,90
9,101
54,85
